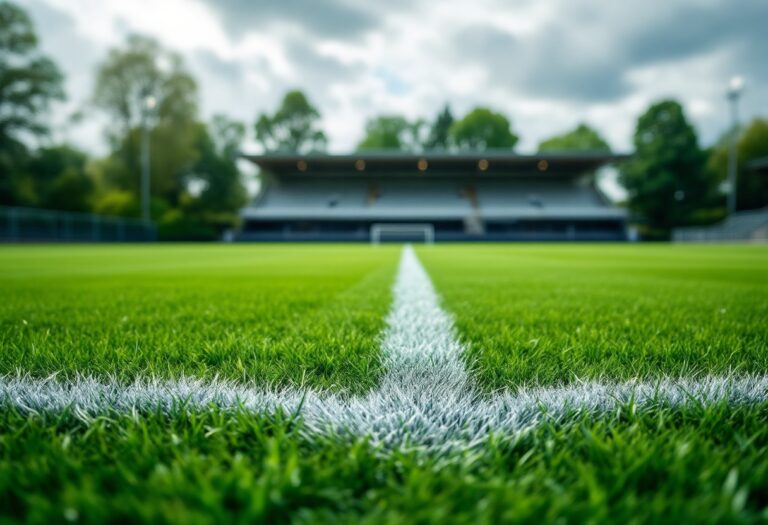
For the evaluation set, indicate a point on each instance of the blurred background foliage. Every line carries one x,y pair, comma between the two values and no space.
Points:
197,188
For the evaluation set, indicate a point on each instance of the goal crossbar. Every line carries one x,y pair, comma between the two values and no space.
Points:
379,229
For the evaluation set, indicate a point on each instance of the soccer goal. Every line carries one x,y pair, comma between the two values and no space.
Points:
402,232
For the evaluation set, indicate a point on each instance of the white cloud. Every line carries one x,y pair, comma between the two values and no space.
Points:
547,64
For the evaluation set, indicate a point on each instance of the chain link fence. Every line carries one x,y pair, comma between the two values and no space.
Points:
35,225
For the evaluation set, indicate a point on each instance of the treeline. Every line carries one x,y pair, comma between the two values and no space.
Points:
196,187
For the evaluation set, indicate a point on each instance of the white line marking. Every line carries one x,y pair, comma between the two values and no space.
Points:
425,399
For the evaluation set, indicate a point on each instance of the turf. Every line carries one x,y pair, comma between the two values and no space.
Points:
274,315
692,466
552,314
312,315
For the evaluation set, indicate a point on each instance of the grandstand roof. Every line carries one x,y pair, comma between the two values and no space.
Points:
400,163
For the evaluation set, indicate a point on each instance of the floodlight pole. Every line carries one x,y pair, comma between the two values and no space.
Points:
149,104
734,92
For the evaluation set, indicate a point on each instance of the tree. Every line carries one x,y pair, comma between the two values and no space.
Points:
219,147
582,138
119,203
29,82
57,179
136,72
126,81
228,135
214,191
440,132
293,128
391,132
665,177
483,129
72,190
752,187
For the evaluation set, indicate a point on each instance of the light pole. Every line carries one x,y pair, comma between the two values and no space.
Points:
149,104
735,88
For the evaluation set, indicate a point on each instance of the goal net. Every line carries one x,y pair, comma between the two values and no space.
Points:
402,232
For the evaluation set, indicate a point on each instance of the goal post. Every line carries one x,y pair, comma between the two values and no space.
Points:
412,230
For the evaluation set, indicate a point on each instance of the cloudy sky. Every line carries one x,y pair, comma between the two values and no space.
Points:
547,64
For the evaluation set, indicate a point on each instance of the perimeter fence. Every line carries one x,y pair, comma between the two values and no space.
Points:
36,225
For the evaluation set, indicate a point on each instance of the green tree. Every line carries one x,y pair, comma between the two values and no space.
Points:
391,132
483,129
294,127
71,191
582,138
29,82
58,178
228,135
136,72
223,190
752,187
214,189
665,177
131,76
439,137
117,203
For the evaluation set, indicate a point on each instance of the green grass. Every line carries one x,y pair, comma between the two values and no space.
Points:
690,466
551,314
273,314
312,314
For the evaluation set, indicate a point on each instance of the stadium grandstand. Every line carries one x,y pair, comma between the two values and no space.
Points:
446,197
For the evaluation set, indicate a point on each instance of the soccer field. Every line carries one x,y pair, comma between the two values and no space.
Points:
342,383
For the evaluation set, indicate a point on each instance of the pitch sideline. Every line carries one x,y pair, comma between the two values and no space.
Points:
424,400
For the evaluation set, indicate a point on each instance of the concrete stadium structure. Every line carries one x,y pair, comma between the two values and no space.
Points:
490,196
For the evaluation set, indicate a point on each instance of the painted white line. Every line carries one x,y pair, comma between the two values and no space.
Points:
425,399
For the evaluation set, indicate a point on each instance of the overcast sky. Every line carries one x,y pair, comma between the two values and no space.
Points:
547,64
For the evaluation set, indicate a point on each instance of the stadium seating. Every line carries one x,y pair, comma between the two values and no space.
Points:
338,202
322,194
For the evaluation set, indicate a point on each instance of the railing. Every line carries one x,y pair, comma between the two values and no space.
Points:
35,225
741,226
